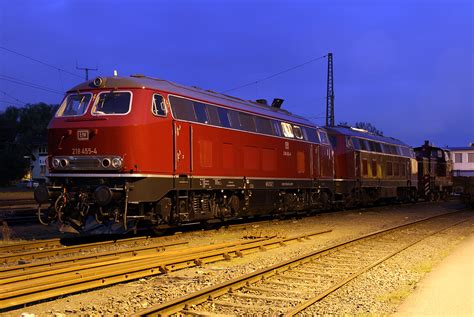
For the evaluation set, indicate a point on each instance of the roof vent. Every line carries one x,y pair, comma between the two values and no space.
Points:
138,75
277,103
262,101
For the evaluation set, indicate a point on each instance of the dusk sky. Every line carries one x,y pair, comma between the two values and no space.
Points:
404,66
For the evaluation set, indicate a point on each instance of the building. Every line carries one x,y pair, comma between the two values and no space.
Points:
463,160
38,164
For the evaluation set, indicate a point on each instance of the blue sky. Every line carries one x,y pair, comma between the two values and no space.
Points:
405,66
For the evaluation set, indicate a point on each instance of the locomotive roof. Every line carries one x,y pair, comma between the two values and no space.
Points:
460,148
140,81
366,135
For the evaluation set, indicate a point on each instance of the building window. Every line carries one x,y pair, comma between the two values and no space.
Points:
470,157
458,157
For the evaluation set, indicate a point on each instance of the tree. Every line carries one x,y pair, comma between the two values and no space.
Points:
369,127
20,129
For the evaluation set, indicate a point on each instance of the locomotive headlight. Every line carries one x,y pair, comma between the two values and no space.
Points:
56,163
116,162
105,162
64,163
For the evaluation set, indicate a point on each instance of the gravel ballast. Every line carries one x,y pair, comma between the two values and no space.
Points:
383,287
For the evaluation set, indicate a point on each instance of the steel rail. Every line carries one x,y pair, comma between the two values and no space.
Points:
22,272
23,246
63,250
57,285
184,304
31,270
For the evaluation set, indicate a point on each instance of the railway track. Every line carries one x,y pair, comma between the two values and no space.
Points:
33,282
292,286
42,249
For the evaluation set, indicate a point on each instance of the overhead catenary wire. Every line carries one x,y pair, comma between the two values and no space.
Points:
29,84
41,62
276,74
11,103
13,97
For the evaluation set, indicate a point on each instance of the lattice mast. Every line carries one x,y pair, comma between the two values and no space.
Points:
330,94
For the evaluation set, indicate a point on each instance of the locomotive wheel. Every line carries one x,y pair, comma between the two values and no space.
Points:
46,216
234,204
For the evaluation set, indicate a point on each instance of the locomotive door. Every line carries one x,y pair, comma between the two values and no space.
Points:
182,149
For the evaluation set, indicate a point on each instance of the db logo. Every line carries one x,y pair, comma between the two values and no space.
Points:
287,145
83,135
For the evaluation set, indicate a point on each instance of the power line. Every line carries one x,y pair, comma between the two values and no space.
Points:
13,103
276,74
14,98
38,61
28,84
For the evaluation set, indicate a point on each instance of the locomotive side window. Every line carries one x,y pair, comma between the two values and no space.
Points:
312,135
246,121
234,119
213,115
264,125
113,102
201,113
74,105
276,128
374,168
182,108
356,143
297,132
389,169
324,137
287,130
365,167
363,145
403,169
224,117
158,106
396,169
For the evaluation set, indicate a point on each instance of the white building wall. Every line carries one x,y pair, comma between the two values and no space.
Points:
466,167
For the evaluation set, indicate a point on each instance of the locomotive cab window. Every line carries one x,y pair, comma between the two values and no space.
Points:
113,102
158,106
74,105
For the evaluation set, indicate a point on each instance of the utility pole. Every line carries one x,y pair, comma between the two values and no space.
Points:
86,69
330,94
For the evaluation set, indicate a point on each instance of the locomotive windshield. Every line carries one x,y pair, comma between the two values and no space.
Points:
74,105
113,103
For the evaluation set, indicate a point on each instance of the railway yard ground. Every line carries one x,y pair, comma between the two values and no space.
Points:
140,275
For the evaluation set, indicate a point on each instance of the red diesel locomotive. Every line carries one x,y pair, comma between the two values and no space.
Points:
128,150
138,148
